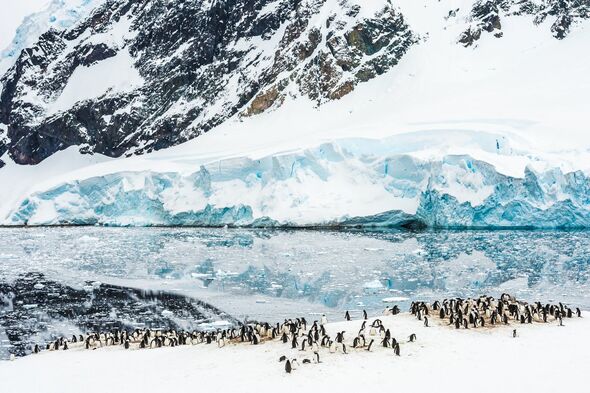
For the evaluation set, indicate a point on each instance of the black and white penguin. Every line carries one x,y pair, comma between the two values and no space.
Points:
288,367
36,349
578,312
282,358
365,314
412,337
306,361
126,344
347,316
396,349
370,345
514,333
425,321
317,357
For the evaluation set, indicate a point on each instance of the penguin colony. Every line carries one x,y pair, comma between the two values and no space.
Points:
311,340
487,311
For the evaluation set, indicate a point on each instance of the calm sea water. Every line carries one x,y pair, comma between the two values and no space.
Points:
273,273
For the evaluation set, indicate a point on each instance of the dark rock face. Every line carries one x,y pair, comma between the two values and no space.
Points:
200,62
486,16
34,310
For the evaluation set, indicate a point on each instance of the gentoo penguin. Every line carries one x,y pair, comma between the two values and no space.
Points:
365,314
306,361
317,357
323,320
514,333
36,349
396,349
65,346
126,344
370,344
578,312
412,337
288,367
282,358
425,321
294,364
347,316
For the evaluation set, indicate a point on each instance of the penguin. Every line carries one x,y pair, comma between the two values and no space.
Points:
344,349
370,344
294,342
126,344
282,358
425,321
365,314
36,349
578,312
396,349
306,361
317,357
412,337
347,316
284,338
288,367
323,320
514,333
65,348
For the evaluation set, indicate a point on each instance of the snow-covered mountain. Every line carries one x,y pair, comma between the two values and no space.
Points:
318,112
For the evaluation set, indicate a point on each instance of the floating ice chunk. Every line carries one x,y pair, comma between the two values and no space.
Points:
395,299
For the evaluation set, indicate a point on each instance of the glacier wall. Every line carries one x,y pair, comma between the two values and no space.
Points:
338,184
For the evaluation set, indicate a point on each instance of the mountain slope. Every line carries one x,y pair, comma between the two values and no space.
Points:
492,134
143,75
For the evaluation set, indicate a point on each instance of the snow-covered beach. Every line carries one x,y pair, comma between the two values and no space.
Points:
542,358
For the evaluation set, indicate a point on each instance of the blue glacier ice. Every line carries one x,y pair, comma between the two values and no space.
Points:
333,185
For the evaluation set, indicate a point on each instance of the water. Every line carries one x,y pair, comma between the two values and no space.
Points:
270,275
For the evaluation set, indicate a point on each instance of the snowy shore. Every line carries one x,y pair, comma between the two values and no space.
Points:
542,358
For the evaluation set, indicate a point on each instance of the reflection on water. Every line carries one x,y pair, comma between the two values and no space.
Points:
324,270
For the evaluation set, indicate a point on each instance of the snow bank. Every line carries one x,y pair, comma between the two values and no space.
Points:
428,364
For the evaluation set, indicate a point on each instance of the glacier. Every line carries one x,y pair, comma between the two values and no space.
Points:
350,182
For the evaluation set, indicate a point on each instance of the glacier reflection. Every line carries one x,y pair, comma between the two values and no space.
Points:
327,269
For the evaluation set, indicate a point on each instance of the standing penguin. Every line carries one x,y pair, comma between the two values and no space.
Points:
317,357
578,312
288,367
514,333
370,344
365,314
323,320
412,337
396,349
347,316
425,321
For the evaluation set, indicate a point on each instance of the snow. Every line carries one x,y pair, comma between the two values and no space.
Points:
116,73
39,16
425,365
